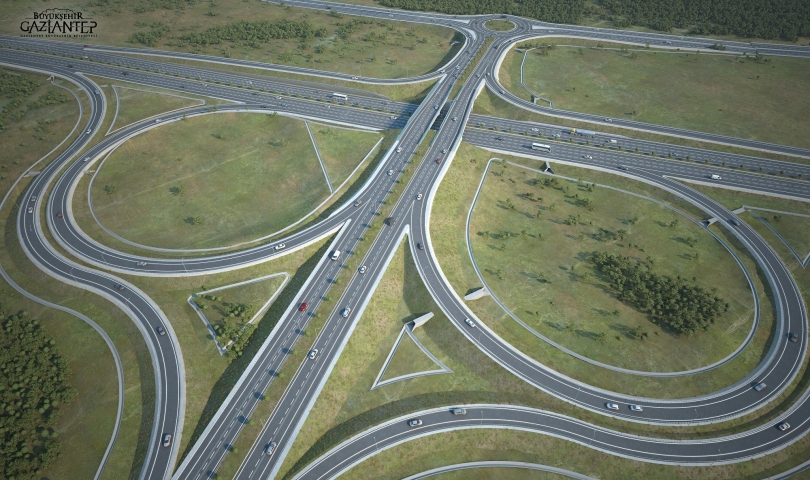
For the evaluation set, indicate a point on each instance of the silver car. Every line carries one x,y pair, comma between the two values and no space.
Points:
346,311
611,406
270,448
414,423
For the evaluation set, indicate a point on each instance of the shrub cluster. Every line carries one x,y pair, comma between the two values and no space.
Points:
253,33
33,383
786,19
559,11
682,307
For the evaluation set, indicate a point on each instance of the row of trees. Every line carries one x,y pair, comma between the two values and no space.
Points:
253,33
785,19
33,384
560,11
684,308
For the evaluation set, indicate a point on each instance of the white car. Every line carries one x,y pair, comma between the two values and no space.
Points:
390,172
167,440
636,408
399,149
363,269
86,159
30,209
469,322
270,448
608,120
783,426
33,198
611,406
414,423
313,353
280,246
535,129
346,311
455,118
140,264
358,203
419,196
587,157
89,132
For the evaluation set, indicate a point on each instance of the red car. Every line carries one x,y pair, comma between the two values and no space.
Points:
58,214
302,307
439,160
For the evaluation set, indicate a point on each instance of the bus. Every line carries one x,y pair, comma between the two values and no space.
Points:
340,96
541,146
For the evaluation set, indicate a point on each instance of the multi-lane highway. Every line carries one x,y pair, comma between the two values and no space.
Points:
410,215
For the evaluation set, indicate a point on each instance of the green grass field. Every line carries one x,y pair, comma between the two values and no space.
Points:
538,265
135,105
232,178
384,49
408,358
766,99
447,232
342,149
499,25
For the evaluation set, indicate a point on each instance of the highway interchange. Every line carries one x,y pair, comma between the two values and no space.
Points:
777,369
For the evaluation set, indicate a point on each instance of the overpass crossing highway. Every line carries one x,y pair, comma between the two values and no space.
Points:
411,217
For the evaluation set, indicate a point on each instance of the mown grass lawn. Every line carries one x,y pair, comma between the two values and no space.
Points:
342,149
448,219
533,245
134,105
210,181
766,99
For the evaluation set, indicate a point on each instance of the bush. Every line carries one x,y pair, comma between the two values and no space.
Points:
682,307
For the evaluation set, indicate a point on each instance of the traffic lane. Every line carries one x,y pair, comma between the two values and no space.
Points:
738,399
259,445
441,420
508,96
167,373
244,399
616,141
612,160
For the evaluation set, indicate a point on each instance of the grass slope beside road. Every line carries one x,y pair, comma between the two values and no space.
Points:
764,99
358,46
533,244
135,105
342,149
210,181
488,104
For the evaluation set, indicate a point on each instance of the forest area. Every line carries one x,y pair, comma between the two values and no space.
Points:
768,19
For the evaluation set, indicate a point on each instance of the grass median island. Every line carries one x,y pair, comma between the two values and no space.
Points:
537,240
448,219
264,32
210,181
135,105
342,149
765,99
500,25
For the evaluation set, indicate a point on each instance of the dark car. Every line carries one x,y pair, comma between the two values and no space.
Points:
439,160
390,221
793,337
302,307
419,246
58,214
161,331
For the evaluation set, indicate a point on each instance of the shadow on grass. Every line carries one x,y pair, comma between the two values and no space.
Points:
269,320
